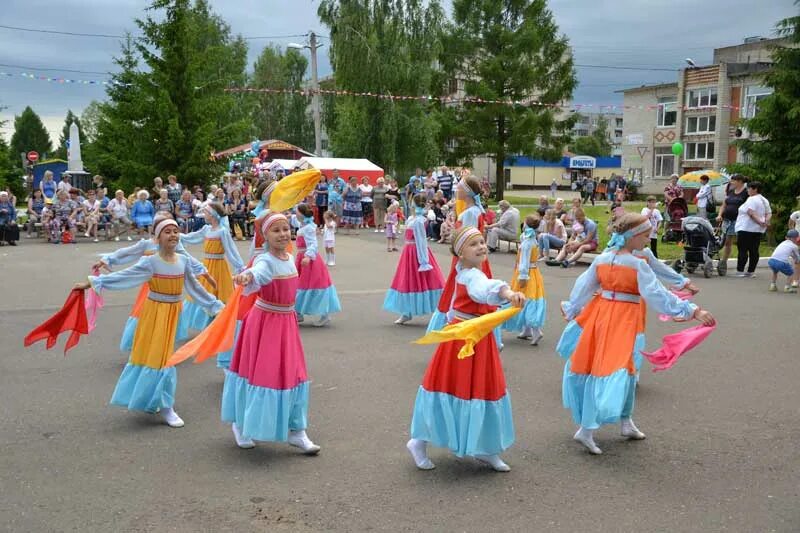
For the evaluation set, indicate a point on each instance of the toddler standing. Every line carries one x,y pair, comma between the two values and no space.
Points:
329,237
391,228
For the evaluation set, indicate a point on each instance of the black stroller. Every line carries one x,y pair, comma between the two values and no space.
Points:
701,246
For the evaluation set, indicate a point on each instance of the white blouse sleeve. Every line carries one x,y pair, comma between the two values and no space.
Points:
482,289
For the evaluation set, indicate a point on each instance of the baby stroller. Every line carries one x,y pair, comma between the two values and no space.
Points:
701,247
676,210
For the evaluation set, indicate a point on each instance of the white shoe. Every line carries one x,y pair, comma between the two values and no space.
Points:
376,231
419,452
495,462
323,321
403,319
629,430
129,238
537,336
116,238
86,235
96,240
299,439
587,440
242,441
171,418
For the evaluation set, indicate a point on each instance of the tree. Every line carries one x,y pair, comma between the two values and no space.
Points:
384,47
61,151
774,145
586,145
89,121
30,134
508,51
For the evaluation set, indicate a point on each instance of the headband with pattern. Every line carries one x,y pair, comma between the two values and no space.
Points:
270,219
467,235
162,225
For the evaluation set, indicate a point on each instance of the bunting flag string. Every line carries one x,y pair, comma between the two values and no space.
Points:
59,79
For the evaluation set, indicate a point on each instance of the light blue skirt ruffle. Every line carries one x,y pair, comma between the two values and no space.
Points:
466,427
224,358
317,301
411,303
194,316
532,316
261,413
129,331
141,388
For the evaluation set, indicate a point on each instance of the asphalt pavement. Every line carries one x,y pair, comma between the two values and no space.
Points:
722,428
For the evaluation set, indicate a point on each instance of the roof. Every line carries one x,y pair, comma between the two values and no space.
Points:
648,87
271,144
339,163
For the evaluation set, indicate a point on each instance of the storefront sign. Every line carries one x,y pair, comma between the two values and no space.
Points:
582,161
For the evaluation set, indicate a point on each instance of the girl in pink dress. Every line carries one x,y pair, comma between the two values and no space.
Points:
265,396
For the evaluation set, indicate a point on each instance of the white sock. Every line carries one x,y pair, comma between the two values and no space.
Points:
629,429
419,452
586,437
299,439
241,440
526,332
171,417
494,461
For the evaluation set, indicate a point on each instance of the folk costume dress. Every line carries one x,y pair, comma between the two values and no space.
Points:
129,254
316,294
533,314
606,338
266,387
145,383
418,281
463,404
472,216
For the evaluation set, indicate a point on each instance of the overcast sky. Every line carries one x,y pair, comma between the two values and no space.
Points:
639,33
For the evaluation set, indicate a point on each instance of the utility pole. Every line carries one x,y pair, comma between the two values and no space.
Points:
312,37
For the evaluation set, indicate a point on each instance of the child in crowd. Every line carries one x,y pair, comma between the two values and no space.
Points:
449,224
391,227
527,280
785,260
329,237
654,216
91,209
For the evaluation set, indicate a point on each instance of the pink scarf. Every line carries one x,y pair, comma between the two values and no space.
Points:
675,345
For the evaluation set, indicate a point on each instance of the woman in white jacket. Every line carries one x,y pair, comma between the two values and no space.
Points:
751,223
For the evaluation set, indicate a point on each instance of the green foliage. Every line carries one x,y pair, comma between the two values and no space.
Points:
508,50
10,171
774,145
601,135
61,151
30,134
168,110
390,48
282,116
588,145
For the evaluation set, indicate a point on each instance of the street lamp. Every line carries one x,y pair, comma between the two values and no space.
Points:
313,46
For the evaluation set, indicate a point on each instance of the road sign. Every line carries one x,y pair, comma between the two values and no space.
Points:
33,156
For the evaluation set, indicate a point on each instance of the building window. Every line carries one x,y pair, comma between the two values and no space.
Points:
664,162
452,86
581,133
323,144
701,97
667,112
698,125
619,122
699,151
753,95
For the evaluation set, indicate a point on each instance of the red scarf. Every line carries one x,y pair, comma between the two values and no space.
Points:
71,317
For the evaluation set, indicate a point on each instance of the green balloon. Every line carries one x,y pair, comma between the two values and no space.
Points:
677,148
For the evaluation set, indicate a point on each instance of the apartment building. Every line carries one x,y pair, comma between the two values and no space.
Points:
587,124
701,110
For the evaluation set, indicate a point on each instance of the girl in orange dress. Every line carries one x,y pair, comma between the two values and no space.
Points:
599,383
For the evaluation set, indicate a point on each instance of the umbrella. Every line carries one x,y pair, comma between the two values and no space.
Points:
691,180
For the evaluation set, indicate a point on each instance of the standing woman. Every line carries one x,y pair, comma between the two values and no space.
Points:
221,257
353,215
266,391
735,197
527,279
752,221
321,199
316,294
379,204
599,382
48,187
366,201
146,384
237,211
463,404
418,282
335,199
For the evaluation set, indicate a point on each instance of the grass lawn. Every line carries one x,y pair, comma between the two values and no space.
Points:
598,213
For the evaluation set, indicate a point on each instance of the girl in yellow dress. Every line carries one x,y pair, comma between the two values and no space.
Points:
527,279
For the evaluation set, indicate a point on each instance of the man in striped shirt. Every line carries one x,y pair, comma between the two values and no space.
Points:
445,180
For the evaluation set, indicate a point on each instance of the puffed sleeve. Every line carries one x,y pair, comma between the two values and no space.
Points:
129,278
660,298
482,289
583,291
231,252
309,233
666,274
469,217
524,264
195,237
199,294
127,254
421,244
262,271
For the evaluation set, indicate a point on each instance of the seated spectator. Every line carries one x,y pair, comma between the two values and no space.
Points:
142,214
436,217
552,234
104,220
184,212
62,218
236,207
9,231
91,212
36,203
163,204
544,205
505,228
568,217
584,240
120,219
132,197
448,227
76,197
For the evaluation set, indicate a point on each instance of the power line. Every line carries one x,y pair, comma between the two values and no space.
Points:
23,67
618,67
110,36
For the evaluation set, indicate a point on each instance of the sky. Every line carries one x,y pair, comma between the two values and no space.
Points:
647,34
